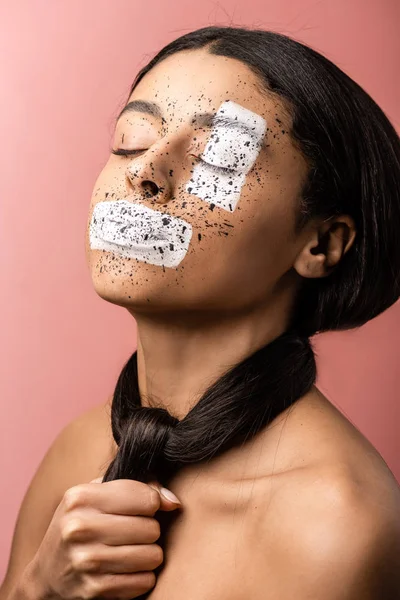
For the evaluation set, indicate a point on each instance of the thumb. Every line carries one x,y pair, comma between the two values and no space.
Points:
168,499
98,480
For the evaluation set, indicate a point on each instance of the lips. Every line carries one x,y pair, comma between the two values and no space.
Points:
136,231
120,231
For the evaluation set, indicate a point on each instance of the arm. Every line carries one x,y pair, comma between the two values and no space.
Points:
79,454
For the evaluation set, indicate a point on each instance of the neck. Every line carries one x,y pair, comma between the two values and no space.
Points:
179,358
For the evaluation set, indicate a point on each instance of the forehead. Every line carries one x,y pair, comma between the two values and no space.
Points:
194,81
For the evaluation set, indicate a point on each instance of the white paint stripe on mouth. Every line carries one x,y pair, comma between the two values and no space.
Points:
136,231
233,148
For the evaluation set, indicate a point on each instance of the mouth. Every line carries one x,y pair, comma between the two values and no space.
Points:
136,231
132,232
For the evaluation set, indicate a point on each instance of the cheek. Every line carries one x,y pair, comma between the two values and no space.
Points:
111,179
221,189
264,224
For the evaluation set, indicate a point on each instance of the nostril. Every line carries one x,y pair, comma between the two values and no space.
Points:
150,188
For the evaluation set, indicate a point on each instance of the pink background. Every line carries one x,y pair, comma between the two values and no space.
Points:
66,71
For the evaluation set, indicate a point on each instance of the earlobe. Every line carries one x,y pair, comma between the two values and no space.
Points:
311,265
311,260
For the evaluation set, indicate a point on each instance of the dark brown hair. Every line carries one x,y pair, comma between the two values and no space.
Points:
354,157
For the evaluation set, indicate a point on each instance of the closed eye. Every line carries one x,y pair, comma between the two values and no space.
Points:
122,152
216,168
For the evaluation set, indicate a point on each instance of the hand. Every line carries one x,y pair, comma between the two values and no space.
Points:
101,541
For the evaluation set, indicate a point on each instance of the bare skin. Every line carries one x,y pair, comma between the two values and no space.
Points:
310,476
213,309
267,494
307,509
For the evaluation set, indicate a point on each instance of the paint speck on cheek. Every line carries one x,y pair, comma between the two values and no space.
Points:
222,189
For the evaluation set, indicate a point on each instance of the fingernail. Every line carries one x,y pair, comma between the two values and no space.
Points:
169,495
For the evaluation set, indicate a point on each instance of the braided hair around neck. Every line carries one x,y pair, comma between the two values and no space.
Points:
154,445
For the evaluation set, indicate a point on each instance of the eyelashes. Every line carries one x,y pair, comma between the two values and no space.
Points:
215,168
121,152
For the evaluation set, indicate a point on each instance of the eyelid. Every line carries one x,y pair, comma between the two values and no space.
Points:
126,153
123,152
218,168
215,167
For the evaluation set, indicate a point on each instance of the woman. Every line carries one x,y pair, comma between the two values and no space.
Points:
250,201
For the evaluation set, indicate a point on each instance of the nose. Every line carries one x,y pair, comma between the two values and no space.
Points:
148,176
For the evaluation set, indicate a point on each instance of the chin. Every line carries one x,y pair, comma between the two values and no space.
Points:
133,284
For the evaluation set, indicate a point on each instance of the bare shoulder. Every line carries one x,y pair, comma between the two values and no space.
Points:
79,453
337,465
330,535
335,516
95,443
316,434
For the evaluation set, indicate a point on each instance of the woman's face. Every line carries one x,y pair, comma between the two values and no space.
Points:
199,214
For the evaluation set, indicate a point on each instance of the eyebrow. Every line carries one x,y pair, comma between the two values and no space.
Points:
205,119
143,106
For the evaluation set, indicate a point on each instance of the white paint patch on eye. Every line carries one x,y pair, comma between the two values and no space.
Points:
135,231
231,151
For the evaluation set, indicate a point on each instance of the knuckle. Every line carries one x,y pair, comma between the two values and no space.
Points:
92,589
152,500
83,561
148,580
157,554
73,529
74,497
155,530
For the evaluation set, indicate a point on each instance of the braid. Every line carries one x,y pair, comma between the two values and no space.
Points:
153,444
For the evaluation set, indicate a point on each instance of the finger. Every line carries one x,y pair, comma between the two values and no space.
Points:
168,500
124,559
118,497
126,586
115,530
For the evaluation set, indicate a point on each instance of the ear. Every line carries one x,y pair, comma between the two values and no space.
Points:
327,242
